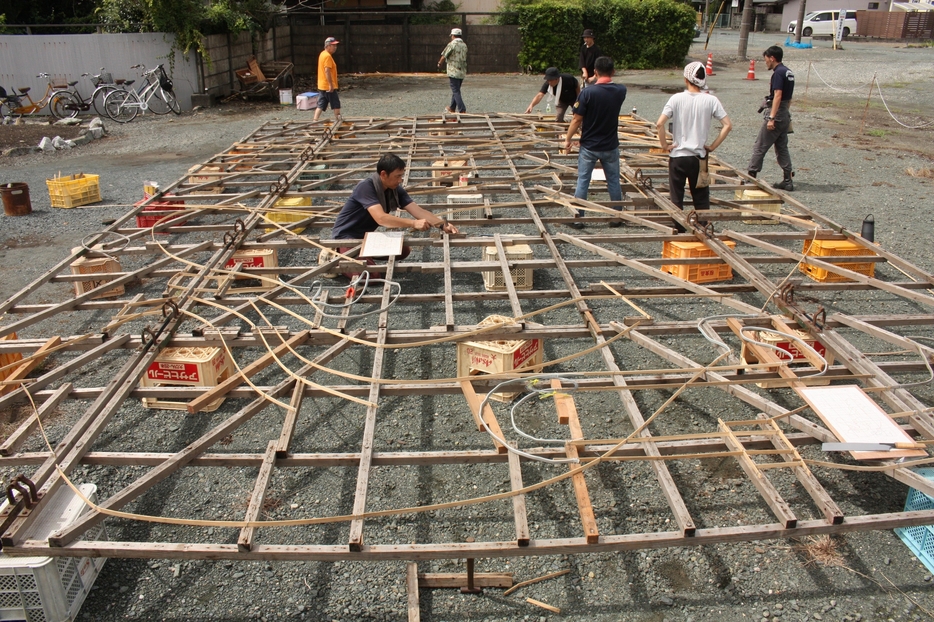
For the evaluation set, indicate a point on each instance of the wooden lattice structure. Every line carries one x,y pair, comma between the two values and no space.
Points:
622,341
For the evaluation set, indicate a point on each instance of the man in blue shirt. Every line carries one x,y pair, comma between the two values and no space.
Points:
596,114
777,119
375,198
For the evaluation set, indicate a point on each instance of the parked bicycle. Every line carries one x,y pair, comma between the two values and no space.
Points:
155,94
104,84
55,98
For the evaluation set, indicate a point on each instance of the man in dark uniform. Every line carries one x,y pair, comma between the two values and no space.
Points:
374,199
561,88
596,114
589,54
777,119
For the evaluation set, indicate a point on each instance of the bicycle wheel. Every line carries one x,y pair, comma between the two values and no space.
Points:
6,109
63,104
157,102
97,99
122,106
172,101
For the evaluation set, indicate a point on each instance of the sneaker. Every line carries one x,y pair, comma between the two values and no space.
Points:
616,223
576,225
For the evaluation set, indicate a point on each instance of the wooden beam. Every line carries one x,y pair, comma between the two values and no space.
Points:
245,541
567,411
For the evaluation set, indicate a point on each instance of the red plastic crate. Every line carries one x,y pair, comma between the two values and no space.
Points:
147,221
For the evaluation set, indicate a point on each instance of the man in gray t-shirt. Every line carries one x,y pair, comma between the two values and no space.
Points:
691,112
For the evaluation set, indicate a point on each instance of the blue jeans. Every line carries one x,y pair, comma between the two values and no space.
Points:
586,162
457,102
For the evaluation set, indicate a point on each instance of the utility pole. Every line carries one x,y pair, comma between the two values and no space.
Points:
748,13
706,13
800,25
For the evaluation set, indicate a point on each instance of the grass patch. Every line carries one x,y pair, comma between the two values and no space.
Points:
877,133
927,173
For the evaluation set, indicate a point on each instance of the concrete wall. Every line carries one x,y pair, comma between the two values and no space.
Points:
66,57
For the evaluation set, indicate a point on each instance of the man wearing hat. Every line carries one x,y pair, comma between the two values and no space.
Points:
560,88
691,112
455,54
589,54
327,80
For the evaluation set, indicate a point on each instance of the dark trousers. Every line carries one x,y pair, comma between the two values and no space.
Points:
457,102
777,137
686,168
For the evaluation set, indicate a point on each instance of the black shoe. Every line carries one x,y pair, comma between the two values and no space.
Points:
616,223
576,225
752,173
785,184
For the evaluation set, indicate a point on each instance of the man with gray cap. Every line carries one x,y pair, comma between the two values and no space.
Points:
691,112
589,54
560,88
327,80
455,54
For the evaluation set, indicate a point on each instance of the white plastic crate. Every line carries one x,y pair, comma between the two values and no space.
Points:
50,589
521,277
465,199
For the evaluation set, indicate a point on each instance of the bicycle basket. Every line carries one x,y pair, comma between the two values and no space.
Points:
106,78
165,82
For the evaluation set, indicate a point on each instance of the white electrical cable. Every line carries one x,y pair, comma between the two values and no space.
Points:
359,286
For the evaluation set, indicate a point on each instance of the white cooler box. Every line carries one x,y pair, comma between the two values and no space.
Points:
306,101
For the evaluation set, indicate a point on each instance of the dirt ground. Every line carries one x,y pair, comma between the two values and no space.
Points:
30,133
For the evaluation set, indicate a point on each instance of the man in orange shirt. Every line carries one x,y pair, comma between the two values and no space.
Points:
327,80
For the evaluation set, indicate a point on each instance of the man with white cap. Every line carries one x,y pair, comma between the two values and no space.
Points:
691,112
455,54
327,80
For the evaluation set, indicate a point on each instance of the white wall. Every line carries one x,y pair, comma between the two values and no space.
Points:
66,57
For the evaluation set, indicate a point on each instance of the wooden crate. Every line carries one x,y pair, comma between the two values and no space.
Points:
836,248
187,367
774,205
205,174
8,359
494,357
101,265
521,277
695,273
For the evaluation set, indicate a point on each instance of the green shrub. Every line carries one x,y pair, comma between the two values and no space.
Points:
636,34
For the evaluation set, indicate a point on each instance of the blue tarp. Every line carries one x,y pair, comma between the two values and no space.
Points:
793,44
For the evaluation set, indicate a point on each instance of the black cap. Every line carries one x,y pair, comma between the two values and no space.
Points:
587,33
552,73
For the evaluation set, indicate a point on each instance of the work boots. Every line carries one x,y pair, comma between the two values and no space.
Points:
786,184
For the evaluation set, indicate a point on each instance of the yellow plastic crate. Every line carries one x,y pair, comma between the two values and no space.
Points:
8,359
74,190
836,248
287,217
774,205
695,273
187,367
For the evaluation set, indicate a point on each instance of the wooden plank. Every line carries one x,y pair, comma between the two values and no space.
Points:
19,436
245,541
564,404
488,416
34,361
411,590
448,286
771,496
442,580
518,502
200,403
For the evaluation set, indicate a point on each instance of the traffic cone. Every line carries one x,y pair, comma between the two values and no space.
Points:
751,75
709,69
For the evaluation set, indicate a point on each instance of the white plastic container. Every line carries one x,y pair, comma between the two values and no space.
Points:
285,97
50,589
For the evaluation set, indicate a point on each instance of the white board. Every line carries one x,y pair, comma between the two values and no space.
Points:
382,244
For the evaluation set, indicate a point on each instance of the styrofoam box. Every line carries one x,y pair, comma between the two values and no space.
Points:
50,589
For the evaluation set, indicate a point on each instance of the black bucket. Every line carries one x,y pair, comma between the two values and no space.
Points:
15,199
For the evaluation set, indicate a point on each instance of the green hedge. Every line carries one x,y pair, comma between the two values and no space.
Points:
636,34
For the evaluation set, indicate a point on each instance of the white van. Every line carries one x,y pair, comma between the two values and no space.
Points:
822,23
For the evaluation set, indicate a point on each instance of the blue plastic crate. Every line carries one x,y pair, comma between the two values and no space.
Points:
920,539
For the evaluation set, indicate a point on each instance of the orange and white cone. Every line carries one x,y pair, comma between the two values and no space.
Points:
751,75
709,68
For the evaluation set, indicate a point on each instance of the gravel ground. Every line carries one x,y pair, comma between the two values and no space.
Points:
840,172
